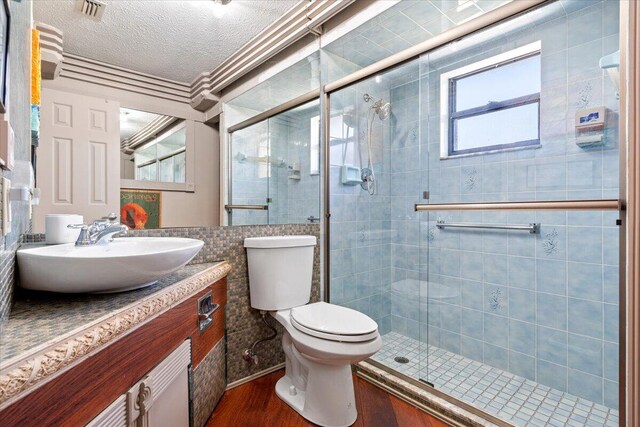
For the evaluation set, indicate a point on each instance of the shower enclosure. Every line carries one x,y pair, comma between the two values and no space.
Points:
473,199
274,168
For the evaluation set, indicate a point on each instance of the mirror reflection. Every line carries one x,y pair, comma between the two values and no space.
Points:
275,166
153,147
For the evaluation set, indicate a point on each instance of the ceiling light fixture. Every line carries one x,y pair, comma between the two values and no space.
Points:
219,7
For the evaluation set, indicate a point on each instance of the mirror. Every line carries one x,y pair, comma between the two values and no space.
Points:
152,147
273,144
127,125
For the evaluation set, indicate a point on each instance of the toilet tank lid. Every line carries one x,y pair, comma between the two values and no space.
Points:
279,241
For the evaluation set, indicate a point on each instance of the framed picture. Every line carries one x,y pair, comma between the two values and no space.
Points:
5,20
140,209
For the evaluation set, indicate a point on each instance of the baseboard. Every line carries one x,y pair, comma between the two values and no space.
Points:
254,376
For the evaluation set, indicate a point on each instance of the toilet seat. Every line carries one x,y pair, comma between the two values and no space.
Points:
333,322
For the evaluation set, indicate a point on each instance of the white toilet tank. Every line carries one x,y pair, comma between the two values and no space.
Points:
280,271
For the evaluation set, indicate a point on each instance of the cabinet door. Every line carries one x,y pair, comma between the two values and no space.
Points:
171,408
160,399
114,416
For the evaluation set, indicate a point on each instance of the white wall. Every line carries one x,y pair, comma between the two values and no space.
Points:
127,167
200,208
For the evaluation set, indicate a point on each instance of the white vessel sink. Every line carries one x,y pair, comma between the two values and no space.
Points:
121,265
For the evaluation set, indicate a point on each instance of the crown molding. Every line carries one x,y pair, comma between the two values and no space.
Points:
203,93
93,71
50,49
303,18
152,129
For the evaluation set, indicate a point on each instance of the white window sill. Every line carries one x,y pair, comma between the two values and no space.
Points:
496,151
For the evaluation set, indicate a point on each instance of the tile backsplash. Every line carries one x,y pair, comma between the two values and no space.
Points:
243,324
19,116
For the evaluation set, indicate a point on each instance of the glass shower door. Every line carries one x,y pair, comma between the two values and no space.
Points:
522,299
250,172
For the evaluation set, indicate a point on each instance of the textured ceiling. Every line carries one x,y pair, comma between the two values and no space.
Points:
172,39
131,121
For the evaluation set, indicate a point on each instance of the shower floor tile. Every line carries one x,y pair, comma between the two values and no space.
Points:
510,397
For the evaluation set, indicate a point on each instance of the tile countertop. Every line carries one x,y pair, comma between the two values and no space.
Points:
47,331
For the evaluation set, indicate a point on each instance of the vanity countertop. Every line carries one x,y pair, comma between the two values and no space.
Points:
46,332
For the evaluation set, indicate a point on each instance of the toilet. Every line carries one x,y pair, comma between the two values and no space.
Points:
321,340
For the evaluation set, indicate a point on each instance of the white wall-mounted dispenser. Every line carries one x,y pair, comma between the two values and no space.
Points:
5,206
350,175
7,143
23,183
590,125
293,171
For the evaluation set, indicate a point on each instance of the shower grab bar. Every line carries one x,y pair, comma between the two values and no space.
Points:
550,205
533,228
229,208
242,158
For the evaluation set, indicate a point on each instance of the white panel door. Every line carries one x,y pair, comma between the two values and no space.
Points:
78,167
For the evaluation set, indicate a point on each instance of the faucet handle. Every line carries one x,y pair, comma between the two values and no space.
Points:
82,226
84,237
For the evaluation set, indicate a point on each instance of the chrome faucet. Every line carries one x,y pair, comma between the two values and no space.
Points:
100,231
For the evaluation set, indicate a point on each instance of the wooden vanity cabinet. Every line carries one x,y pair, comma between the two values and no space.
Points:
78,395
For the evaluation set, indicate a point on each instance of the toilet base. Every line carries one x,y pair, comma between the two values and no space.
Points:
322,394
328,411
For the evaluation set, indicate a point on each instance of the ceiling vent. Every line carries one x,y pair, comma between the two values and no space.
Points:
92,8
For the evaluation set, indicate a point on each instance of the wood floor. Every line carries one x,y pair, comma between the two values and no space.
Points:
256,404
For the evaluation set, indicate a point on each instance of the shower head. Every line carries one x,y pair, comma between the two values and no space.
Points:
383,111
349,119
381,108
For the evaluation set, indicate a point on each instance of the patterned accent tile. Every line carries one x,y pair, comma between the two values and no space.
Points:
7,272
243,323
208,384
269,353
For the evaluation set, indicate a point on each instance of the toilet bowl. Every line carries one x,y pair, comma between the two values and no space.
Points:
321,340
318,382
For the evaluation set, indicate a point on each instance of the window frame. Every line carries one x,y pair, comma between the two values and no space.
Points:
154,142
186,187
449,115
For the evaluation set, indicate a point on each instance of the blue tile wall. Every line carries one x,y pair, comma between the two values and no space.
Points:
542,306
287,138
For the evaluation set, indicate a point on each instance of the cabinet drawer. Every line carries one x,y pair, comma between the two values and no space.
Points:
203,342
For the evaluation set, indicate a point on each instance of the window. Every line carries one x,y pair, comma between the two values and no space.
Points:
492,105
314,146
340,135
163,159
